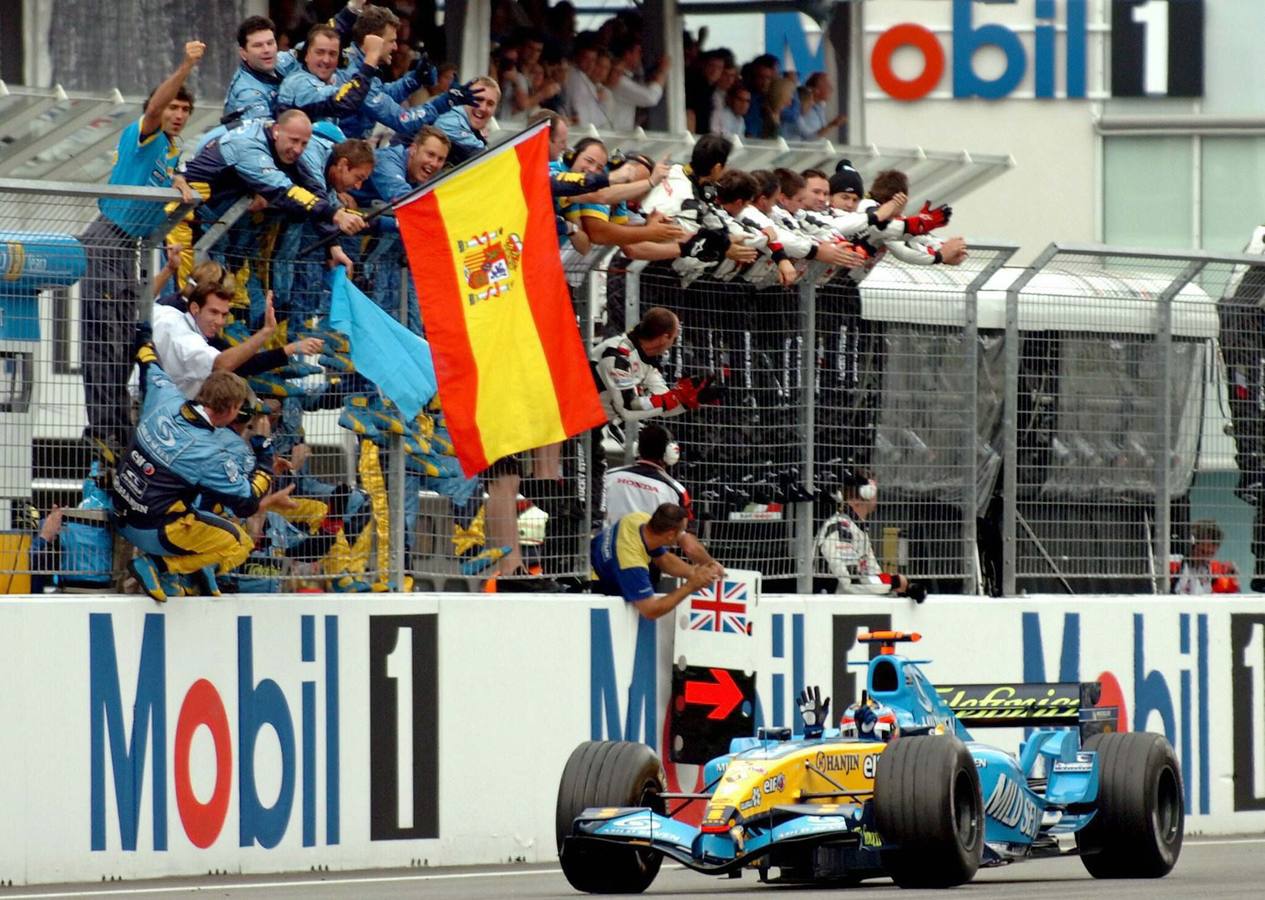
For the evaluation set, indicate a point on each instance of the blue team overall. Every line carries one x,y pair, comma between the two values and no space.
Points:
177,458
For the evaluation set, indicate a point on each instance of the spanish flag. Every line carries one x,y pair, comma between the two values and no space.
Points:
483,249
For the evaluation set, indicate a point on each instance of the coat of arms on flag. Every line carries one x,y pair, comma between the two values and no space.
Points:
488,259
720,607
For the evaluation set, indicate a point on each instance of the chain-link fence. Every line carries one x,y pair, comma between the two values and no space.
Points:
1092,422
1133,422
826,380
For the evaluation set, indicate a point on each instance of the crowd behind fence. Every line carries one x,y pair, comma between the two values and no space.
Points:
1067,426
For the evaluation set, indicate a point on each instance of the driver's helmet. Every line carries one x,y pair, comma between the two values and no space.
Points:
868,722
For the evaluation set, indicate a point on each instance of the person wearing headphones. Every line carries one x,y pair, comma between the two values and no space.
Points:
646,484
844,544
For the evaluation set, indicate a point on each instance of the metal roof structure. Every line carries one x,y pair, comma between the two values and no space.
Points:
53,135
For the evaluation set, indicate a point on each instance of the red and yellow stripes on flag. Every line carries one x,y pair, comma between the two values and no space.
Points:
482,246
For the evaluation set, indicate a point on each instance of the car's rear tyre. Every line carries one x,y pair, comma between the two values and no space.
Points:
927,803
608,773
1137,830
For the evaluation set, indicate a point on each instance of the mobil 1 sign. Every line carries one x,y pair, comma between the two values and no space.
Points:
1247,667
1157,48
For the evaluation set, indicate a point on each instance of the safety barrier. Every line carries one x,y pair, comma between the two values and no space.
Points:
258,734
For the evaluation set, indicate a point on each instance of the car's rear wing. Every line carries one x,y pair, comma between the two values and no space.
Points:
1051,705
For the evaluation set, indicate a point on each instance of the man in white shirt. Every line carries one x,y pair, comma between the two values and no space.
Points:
186,336
731,119
627,92
586,100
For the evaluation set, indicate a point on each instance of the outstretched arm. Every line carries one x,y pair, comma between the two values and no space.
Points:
166,92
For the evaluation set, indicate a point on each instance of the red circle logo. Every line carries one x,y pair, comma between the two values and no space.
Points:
907,35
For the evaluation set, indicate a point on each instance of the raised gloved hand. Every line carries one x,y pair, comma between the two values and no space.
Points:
706,246
144,354
686,391
916,591
928,219
465,94
711,389
813,710
425,70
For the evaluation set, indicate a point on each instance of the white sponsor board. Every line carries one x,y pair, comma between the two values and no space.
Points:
282,733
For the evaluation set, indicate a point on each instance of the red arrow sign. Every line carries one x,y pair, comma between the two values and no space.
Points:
723,694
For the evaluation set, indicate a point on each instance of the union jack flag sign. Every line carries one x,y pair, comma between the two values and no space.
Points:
720,607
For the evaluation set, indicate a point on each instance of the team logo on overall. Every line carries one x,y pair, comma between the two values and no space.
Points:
489,261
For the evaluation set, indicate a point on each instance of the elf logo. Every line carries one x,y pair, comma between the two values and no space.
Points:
967,38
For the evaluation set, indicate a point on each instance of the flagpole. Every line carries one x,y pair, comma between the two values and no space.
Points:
435,182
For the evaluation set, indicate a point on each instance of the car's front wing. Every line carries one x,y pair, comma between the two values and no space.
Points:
718,853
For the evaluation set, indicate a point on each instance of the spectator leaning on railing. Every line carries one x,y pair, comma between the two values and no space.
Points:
623,553
847,550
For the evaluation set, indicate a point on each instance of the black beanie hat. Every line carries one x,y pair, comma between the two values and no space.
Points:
846,179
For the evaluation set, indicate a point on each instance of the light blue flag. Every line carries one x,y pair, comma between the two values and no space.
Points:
382,348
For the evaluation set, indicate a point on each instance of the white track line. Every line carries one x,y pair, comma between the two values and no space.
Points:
1200,842
390,879
257,885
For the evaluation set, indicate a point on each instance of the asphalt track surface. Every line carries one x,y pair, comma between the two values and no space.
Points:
1208,869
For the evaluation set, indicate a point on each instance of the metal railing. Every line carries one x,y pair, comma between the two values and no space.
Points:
1070,426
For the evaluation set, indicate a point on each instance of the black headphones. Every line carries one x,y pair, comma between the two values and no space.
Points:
569,155
860,483
620,157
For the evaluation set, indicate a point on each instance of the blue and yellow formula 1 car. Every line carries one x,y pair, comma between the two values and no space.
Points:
901,789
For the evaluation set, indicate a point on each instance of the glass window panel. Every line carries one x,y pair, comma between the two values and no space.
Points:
1233,191
1147,185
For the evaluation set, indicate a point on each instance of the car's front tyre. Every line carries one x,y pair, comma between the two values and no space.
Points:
927,804
608,773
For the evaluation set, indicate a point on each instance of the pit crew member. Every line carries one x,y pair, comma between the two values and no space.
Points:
845,546
622,553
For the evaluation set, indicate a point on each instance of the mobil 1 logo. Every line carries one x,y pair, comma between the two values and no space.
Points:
1157,48
403,727
1247,674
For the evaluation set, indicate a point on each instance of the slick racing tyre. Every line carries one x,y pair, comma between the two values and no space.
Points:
928,806
1137,830
608,773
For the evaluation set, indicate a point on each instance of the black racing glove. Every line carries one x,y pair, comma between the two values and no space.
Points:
813,710
425,70
706,246
463,94
711,389
261,444
916,591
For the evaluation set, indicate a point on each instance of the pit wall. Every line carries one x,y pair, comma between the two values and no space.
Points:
285,733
